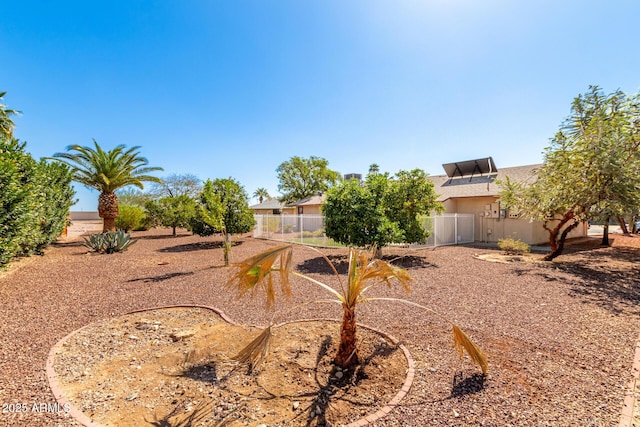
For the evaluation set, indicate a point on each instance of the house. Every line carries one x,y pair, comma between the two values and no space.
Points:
309,205
272,207
470,187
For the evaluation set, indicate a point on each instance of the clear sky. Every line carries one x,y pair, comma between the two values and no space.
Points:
233,88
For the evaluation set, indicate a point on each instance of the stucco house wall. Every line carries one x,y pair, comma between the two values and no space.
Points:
479,195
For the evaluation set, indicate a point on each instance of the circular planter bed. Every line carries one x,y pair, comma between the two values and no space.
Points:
173,366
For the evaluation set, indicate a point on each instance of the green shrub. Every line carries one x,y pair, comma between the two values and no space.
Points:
130,218
109,242
35,198
513,246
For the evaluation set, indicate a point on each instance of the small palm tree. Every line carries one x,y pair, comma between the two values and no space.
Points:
6,124
261,193
364,272
107,171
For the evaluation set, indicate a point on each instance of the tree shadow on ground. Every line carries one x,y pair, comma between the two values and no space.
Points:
610,279
197,417
315,406
163,236
319,265
198,246
161,277
68,244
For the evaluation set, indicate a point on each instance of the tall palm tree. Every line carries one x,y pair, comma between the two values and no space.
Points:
261,193
107,171
6,124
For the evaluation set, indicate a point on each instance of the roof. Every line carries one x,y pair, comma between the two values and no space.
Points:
479,186
269,204
315,200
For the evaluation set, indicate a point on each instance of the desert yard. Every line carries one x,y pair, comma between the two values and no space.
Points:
560,336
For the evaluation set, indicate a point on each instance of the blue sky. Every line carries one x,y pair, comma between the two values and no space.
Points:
234,88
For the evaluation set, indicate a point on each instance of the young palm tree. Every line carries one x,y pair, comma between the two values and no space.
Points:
107,171
261,193
6,124
364,272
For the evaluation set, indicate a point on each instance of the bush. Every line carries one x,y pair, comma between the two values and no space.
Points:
131,218
109,242
513,246
35,198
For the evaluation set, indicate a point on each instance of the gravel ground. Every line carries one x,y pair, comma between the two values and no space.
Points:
560,336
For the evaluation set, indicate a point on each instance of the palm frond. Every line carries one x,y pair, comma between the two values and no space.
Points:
363,269
462,341
256,350
257,270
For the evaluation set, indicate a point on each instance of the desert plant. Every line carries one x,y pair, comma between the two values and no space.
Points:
130,218
364,272
511,246
109,242
107,171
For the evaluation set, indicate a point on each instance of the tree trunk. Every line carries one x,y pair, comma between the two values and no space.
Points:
174,232
378,254
108,210
227,248
605,234
623,224
347,353
559,247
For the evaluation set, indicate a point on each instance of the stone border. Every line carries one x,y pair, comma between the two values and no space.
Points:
626,417
79,416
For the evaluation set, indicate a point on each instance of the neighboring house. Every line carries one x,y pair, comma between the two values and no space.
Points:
470,188
309,205
272,207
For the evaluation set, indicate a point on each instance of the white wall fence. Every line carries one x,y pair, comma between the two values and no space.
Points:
445,229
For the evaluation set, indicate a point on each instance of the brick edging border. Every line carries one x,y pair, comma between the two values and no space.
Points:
626,417
79,416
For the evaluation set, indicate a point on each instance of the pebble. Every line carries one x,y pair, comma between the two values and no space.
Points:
339,374
296,404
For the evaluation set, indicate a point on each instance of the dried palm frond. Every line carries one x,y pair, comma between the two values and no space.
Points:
257,270
256,350
363,268
462,341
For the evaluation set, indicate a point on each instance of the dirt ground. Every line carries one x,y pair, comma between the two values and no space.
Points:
560,336
173,366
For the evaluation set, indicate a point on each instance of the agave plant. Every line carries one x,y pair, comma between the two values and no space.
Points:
364,272
109,242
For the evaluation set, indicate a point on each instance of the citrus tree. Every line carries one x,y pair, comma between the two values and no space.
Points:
223,208
385,209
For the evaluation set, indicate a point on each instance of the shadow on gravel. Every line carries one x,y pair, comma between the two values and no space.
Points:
69,244
319,265
162,236
199,246
469,385
610,279
160,278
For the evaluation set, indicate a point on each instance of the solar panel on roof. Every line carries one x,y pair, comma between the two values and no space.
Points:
470,167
